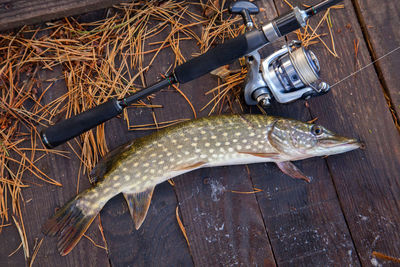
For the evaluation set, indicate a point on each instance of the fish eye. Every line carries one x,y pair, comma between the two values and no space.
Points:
316,130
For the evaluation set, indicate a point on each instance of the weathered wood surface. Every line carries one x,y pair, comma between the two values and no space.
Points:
159,241
9,242
350,209
304,221
366,181
41,200
380,21
158,238
15,13
223,228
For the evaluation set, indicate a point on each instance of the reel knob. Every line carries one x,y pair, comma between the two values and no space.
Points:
245,9
323,87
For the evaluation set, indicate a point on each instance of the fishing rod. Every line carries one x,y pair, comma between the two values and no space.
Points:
218,56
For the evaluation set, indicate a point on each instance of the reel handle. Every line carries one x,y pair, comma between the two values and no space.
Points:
245,9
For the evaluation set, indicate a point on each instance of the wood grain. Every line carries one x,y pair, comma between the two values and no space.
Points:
223,228
350,209
11,235
16,13
304,221
381,24
159,236
366,181
159,241
42,199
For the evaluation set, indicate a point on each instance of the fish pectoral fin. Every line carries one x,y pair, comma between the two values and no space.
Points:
188,167
139,204
290,169
261,154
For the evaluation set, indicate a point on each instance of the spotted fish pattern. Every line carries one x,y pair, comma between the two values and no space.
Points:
134,169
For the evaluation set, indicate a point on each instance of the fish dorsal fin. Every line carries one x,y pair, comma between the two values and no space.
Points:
290,169
106,163
139,204
192,166
261,154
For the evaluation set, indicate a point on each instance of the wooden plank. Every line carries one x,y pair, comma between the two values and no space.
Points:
223,228
304,221
366,181
126,245
10,233
313,210
41,201
159,241
16,13
380,23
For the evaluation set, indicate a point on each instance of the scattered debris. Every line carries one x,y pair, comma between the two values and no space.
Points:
178,219
385,257
256,190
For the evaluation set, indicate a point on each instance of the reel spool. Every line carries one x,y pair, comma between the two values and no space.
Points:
288,74
297,69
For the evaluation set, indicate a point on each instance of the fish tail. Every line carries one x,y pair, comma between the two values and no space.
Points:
69,223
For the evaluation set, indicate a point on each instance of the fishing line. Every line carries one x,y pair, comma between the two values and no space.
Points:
354,73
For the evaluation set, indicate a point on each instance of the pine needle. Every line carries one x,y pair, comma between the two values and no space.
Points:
385,257
256,190
178,219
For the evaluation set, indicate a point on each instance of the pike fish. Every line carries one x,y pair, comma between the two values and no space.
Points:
135,168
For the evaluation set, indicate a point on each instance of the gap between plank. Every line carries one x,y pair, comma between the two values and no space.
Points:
338,199
183,222
174,187
262,218
389,102
342,209
376,64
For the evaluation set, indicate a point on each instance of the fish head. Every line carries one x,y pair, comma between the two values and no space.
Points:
301,140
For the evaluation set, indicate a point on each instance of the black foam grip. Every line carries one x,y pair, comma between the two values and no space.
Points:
74,126
220,55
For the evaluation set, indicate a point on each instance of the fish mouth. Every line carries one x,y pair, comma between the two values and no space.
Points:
341,143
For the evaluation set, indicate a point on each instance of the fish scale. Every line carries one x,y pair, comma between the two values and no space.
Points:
154,160
134,169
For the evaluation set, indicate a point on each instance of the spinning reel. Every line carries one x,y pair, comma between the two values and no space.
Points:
286,75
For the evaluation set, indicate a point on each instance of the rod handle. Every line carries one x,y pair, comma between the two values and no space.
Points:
220,55
65,130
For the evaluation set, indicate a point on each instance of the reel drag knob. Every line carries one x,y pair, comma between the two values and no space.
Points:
245,9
